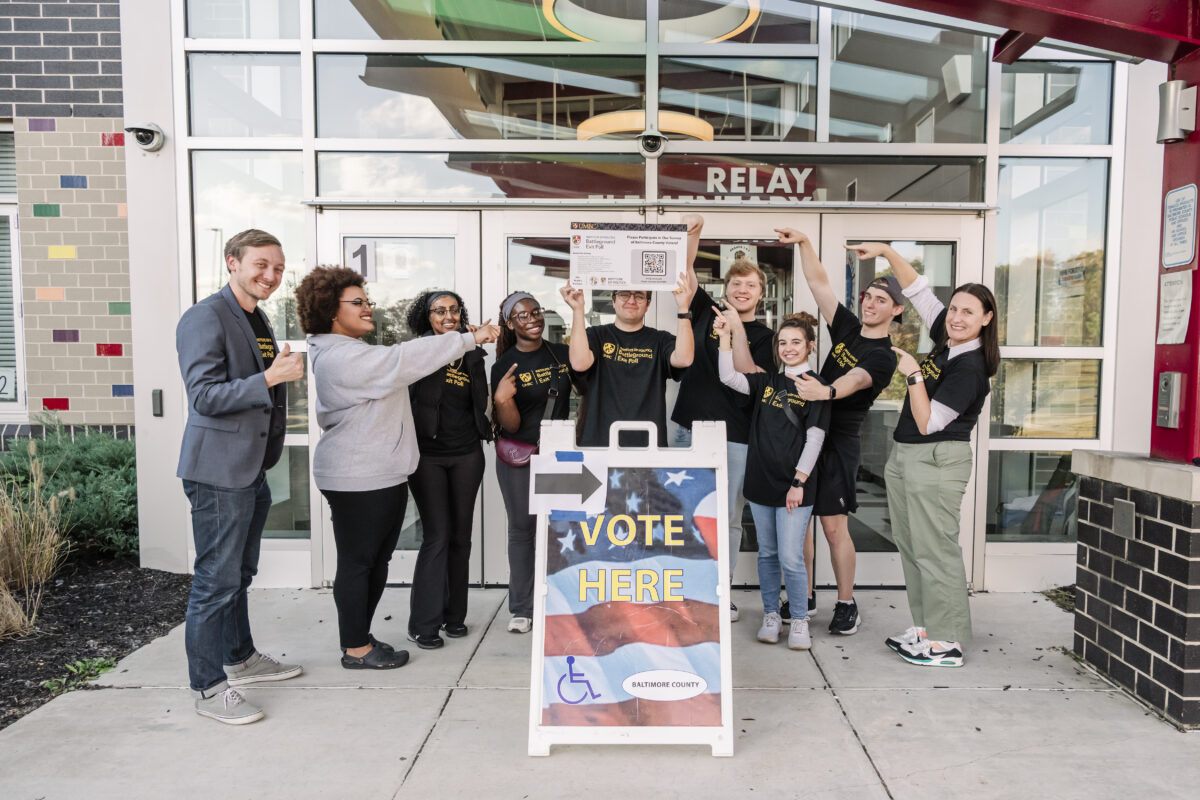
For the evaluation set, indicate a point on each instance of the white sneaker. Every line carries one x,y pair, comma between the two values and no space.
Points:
769,632
798,638
907,639
931,653
520,625
734,614
260,667
230,707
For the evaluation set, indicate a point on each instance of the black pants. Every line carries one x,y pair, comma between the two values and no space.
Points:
366,526
522,537
444,488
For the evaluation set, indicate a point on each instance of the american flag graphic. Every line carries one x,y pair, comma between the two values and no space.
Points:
592,647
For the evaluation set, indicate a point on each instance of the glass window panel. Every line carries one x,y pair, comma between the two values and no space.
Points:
8,343
290,516
471,21
1046,399
741,98
236,190
1050,251
896,81
790,180
297,400
1031,497
238,19
404,268
780,22
1055,102
472,97
476,176
244,94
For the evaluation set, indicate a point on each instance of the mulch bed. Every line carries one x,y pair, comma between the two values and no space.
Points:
92,609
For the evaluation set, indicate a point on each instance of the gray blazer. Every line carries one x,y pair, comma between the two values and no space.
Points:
235,424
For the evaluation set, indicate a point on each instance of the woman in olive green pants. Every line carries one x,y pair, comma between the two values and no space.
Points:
931,459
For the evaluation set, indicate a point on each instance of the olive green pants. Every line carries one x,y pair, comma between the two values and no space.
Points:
925,487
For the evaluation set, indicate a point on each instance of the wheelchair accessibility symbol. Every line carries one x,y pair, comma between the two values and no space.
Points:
577,685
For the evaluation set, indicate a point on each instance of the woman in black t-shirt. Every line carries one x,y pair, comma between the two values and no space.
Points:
530,382
786,434
450,416
930,463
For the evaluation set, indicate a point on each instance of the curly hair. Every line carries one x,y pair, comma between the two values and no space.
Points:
803,320
418,312
318,296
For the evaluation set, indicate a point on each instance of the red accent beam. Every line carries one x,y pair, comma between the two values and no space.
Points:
1012,46
1161,30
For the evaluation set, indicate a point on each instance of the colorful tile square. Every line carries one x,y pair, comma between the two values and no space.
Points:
119,308
62,251
46,210
56,403
110,349
50,293
72,181
41,124
61,335
122,390
112,139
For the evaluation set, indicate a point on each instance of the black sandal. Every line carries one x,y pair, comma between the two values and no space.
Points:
376,658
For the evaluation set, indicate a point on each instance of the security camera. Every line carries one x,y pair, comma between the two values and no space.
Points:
651,144
148,136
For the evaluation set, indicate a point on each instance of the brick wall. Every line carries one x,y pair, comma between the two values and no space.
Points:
1137,599
60,58
60,82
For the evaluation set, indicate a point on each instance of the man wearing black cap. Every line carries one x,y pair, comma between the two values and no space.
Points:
859,367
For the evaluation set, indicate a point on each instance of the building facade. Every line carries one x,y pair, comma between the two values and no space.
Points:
453,148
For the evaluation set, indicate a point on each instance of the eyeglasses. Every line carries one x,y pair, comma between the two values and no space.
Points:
625,297
442,311
358,302
526,316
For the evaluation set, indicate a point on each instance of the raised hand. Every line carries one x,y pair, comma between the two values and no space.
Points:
506,389
573,297
694,223
286,367
791,236
869,249
486,333
683,293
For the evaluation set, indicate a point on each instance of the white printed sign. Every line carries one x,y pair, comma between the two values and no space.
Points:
1179,227
1174,306
613,255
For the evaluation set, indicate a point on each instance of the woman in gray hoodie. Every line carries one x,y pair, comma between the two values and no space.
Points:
367,447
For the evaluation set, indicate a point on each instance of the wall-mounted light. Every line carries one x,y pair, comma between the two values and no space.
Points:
1176,111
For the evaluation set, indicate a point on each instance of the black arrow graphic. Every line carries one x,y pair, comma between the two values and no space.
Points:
583,484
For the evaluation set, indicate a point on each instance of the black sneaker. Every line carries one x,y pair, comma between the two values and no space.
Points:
426,641
845,618
785,612
455,630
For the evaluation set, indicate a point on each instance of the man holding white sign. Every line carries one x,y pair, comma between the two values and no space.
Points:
627,363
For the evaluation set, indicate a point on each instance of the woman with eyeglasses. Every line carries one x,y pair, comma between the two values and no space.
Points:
531,382
367,451
450,412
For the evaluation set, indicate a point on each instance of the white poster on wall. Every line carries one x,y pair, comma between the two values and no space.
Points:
1174,306
1179,227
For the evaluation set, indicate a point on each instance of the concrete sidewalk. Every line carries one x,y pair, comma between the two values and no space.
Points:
847,720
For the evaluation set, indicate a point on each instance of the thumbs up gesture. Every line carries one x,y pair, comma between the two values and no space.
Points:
286,367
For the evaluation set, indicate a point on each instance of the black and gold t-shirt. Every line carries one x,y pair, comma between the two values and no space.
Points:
960,383
851,349
537,371
627,381
456,431
775,441
262,332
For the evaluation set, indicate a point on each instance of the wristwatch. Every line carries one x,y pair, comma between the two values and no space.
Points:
684,315
915,378
832,392
797,483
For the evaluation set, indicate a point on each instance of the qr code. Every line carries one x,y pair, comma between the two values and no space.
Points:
654,263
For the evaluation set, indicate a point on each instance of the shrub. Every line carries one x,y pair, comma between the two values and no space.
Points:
32,545
101,470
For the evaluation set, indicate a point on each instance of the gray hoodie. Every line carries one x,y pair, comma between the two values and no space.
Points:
362,406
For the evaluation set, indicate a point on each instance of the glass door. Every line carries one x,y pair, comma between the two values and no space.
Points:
948,249
402,254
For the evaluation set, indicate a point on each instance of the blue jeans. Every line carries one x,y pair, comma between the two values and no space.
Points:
781,546
227,526
735,457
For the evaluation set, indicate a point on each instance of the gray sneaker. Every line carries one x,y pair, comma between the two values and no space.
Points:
259,668
230,707
769,632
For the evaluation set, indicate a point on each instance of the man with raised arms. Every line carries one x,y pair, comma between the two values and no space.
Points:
858,368
627,363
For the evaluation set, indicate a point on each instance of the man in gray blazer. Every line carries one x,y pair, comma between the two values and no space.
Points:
236,394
